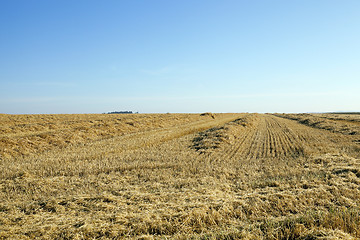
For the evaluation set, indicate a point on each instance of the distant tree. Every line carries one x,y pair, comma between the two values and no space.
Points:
121,112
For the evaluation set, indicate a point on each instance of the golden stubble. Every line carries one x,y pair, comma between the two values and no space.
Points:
177,176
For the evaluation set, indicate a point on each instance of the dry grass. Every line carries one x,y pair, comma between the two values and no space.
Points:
22,135
348,124
235,176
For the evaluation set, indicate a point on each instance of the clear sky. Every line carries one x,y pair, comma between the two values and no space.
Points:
86,56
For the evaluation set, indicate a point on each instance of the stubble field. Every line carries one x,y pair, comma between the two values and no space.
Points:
180,176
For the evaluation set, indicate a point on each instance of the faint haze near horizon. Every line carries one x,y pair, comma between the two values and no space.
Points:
179,56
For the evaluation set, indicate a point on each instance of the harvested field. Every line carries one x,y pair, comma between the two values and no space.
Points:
178,176
347,124
25,134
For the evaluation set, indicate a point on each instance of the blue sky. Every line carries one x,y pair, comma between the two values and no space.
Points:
89,56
